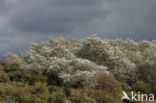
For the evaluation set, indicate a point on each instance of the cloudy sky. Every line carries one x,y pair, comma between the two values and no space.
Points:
26,21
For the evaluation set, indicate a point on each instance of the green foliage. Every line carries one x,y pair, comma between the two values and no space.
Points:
53,88
96,50
147,72
103,96
59,99
51,99
38,93
67,91
72,71
81,99
3,76
12,72
2,64
141,87
108,83
55,60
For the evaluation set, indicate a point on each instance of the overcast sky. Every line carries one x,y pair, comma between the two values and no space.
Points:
26,21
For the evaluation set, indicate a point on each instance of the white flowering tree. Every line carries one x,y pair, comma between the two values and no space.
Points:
73,62
96,50
57,60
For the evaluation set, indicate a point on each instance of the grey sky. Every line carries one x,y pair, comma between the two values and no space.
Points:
26,21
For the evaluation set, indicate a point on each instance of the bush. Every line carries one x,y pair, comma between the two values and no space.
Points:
15,73
3,76
81,99
5,91
37,76
67,91
126,70
60,97
102,96
96,50
142,87
73,72
108,83
56,60
41,90
52,88
21,94
51,99
38,93
32,78
147,71
146,76
2,64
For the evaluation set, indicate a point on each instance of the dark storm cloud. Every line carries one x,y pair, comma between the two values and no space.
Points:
3,6
56,15
133,19
24,21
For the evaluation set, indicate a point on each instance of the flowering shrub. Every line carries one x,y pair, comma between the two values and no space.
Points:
73,63
126,69
101,67
57,60
96,50
75,71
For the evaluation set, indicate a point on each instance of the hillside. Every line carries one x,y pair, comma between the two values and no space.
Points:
73,71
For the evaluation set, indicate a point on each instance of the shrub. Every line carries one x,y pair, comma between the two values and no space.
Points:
2,64
67,91
21,94
68,72
5,91
107,83
15,73
51,99
38,93
52,88
41,90
30,76
3,76
60,97
74,72
56,60
126,70
146,76
147,71
81,99
141,86
107,89
102,96
96,50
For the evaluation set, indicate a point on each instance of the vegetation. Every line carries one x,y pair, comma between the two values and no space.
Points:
72,71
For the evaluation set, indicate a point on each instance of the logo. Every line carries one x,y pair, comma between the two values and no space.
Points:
125,96
137,97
